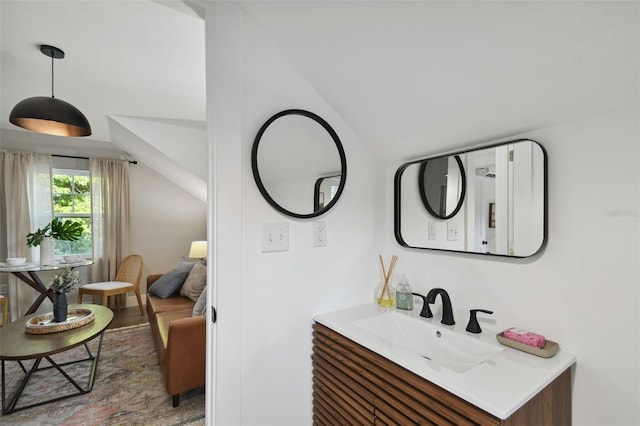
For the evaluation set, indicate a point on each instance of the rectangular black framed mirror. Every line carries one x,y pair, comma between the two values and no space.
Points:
490,200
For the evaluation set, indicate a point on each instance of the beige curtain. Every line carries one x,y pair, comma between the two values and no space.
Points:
111,216
25,204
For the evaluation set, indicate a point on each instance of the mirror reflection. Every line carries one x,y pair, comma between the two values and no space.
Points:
298,163
442,185
325,190
501,210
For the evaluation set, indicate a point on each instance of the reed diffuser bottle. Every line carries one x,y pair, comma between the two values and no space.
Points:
385,293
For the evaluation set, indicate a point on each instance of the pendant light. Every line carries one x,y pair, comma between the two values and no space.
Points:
49,115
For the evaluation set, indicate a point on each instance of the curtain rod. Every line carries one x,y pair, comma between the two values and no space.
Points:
82,158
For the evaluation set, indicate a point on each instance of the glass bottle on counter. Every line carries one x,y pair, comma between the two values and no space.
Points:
385,297
404,296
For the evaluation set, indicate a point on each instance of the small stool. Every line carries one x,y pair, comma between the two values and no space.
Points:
5,309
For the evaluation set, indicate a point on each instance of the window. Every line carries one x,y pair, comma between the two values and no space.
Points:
71,193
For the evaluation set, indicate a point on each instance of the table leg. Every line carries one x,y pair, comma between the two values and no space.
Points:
35,283
21,386
11,406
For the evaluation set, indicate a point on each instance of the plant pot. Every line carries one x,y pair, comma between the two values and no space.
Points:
60,307
46,251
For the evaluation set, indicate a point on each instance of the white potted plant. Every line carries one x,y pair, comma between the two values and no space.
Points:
56,230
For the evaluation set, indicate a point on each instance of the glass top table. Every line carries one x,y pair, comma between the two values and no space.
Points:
28,273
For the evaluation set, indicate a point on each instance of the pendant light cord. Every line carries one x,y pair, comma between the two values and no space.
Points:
52,94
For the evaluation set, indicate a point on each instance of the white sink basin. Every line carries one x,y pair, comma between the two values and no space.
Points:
442,346
474,367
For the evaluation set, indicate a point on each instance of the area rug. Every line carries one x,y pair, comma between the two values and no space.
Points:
129,388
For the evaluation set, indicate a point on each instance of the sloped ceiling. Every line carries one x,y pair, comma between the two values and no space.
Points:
416,78
411,78
137,58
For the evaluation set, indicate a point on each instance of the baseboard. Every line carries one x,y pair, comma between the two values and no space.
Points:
129,301
133,301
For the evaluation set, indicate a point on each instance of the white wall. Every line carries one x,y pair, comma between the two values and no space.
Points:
583,290
165,219
288,289
265,326
180,159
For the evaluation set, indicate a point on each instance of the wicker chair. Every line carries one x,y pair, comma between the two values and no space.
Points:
127,281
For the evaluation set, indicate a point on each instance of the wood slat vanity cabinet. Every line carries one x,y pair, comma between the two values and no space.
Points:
355,386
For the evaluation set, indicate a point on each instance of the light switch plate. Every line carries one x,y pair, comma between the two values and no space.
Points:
432,231
319,234
275,237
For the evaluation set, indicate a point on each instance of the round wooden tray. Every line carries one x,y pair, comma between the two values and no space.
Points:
43,324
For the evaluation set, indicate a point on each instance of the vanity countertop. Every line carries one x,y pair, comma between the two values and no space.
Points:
498,386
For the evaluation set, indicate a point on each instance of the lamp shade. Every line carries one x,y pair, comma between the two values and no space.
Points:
198,250
50,115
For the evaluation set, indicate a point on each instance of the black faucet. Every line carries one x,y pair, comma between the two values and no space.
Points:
447,311
425,312
474,326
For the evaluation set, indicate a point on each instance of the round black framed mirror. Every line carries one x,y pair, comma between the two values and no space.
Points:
293,151
442,186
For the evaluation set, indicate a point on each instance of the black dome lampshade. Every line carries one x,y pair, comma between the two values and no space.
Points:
49,115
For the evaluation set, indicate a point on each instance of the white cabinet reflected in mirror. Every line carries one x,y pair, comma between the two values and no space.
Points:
299,163
493,202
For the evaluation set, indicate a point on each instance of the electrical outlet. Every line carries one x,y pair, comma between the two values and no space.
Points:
275,237
452,231
319,234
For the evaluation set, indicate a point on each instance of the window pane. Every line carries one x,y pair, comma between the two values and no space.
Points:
82,185
72,200
62,184
82,204
62,203
81,246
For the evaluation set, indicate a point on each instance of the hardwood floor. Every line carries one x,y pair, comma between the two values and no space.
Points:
128,316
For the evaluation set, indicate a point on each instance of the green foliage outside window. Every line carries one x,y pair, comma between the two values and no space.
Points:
71,192
82,246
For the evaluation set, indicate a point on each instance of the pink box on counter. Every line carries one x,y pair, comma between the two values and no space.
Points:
524,336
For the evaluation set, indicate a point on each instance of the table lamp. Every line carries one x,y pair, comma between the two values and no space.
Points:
198,250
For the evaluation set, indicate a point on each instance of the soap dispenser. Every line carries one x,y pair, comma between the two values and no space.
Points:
404,296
